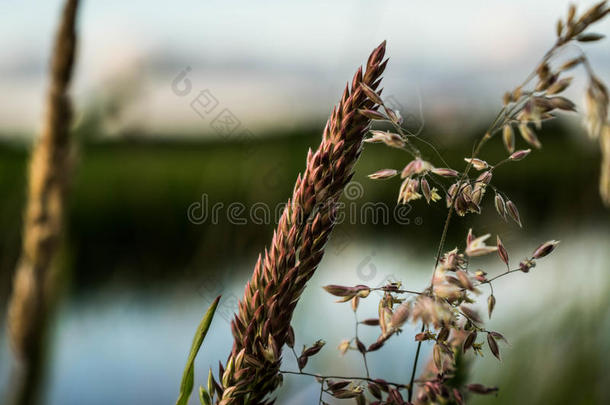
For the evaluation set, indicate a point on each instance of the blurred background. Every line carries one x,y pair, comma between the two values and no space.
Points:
188,105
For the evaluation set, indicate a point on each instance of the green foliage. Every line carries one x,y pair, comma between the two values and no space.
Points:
188,377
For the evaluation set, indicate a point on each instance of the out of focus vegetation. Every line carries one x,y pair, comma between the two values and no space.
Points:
128,209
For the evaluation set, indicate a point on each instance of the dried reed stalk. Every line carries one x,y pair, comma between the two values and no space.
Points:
48,178
262,326
604,180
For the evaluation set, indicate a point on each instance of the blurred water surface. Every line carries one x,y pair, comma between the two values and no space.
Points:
125,347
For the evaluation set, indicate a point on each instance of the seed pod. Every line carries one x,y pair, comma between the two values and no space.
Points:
498,335
507,98
339,290
438,357
508,137
394,115
425,188
389,138
519,155
337,385
469,237
376,346
559,27
517,93
443,334
355,301
302,362
383,384
457,395
361,347
347,393
464,280
500,206
481,389
491,303
589,37
370,93
469,341
371,322
571,14
395,397
451,194
559,86
571,64
562,103
372,114
401,315
545,249
383,174
543,71
485,177
445,172
478,164
375,390
313,350
493,346
529,136
471,314
290,337
502,250
514,213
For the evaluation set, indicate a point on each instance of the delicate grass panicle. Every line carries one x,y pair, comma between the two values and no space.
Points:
449,321
49,174
262,326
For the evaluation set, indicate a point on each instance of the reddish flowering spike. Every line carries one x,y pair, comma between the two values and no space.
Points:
298,247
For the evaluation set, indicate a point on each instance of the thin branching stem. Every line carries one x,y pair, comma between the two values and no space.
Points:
338,377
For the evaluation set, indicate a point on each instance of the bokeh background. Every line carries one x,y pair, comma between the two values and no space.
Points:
141,274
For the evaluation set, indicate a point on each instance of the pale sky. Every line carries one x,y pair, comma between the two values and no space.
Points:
277,63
